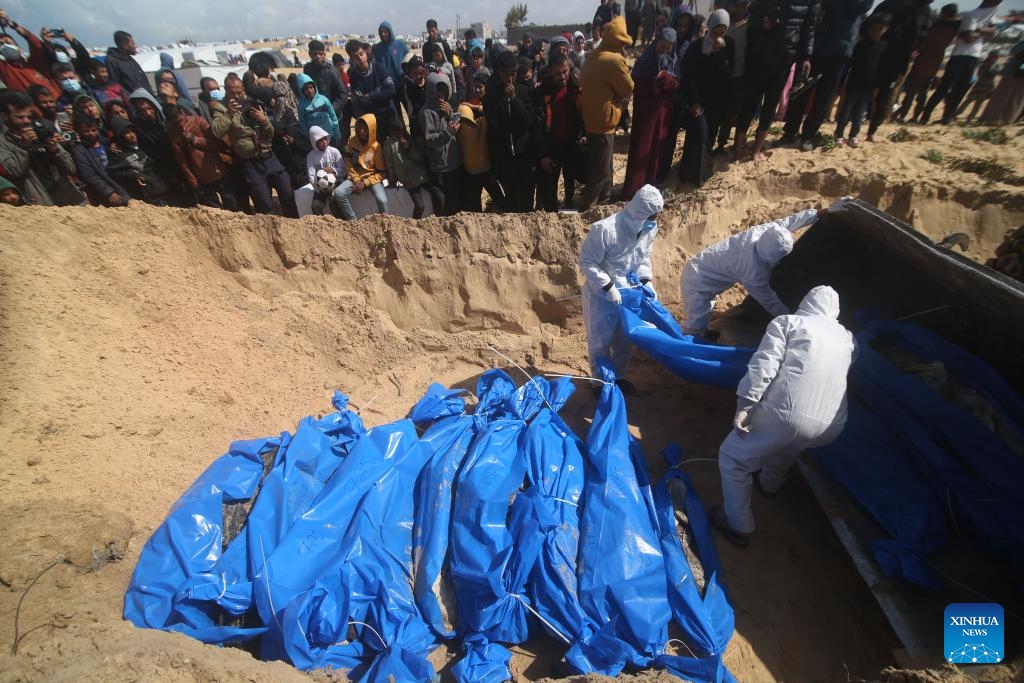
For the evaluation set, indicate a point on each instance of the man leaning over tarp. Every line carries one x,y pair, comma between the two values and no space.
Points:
793,397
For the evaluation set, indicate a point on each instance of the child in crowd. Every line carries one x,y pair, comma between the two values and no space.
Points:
114,108
366,170
440,65
863,67
90,155
101,87
476,160
131,167
983,87
439,129
315,109
324,157
9,194
407,164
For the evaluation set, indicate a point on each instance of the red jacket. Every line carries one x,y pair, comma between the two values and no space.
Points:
20,75
202,158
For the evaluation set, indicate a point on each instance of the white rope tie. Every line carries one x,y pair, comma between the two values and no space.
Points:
530,377
266,581
368,403
676,640
224,578
563,500
583,377
363,623
687,462
547,623
927,310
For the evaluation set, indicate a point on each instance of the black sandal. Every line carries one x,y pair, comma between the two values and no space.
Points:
719,521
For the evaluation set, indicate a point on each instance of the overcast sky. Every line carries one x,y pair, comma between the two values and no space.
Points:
151,22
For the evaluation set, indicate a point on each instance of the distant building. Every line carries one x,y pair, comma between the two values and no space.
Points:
483,30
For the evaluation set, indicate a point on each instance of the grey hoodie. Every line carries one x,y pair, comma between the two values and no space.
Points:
442,147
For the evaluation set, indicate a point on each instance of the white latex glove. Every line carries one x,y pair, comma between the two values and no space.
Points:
839,205
613,295
650,288
740,423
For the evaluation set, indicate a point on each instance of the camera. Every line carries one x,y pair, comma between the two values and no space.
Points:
43,135
57,32
249,104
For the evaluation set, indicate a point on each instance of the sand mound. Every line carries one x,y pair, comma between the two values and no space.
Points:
138,342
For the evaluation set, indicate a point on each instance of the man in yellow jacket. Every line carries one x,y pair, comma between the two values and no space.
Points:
605,88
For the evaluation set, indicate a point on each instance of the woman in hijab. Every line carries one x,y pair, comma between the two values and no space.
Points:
654,86
687,27
706,66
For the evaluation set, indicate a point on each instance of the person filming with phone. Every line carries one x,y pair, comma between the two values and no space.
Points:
250,132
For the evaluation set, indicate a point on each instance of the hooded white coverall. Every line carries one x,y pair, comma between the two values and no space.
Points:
747,258
795,392
615,246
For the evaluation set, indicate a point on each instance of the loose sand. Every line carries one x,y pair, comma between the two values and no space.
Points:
136,343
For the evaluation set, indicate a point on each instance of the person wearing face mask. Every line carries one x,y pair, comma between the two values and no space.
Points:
614,248
17,70
209,91
746,258
70,84
55,53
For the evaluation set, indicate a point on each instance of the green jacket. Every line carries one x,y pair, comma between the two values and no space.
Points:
247,141
407,166
34,172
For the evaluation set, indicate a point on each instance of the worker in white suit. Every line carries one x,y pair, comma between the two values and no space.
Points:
747,258
615,247
793,397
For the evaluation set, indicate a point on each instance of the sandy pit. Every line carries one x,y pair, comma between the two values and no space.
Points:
137,343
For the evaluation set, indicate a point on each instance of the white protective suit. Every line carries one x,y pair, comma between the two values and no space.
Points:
747,258
615,247
795,395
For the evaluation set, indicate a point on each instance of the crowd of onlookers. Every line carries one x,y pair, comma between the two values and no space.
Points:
520,124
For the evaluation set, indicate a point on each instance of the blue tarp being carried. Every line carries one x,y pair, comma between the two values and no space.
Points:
652,328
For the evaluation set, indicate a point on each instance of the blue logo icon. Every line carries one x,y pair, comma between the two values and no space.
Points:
973,633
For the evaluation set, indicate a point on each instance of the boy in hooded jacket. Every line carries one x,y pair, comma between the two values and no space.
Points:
131,167
366,170
91,159
324,157
440,129
315,109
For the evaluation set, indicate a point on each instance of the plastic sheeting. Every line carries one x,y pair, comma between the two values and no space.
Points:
705,615
629,594
351,537
652,328
910,452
